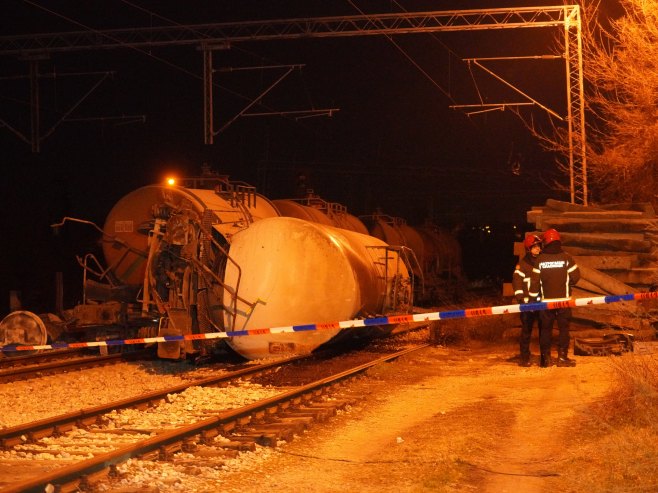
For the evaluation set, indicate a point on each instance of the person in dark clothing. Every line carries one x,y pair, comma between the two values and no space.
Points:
556,273
521,284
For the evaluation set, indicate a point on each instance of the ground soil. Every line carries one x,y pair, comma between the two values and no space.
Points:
447,419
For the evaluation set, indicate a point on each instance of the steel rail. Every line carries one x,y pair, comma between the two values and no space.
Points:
38,370
46,427
75,475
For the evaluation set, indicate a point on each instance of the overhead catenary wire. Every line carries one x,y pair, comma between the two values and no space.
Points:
137,49
252,101
408,57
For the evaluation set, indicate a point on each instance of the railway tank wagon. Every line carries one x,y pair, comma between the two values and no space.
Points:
144,213
300,272
438,255
433,254
313,208
260,270
215,256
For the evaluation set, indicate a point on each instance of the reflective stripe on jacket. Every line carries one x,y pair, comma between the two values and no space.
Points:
521,279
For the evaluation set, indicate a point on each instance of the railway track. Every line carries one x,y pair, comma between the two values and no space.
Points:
39,365
17,359
75,451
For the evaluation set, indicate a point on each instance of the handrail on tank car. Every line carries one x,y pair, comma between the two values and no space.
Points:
233,308
234,191
209,182
315,201
101,274
409,256
385,218
336,209
402,255
237,192
311,200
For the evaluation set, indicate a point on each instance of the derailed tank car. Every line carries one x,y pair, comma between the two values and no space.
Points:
294,271
213,255
438,255
432,254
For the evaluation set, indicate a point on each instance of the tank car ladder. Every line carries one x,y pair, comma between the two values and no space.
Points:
394,298
185,311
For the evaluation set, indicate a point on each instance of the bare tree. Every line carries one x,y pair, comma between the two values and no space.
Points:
621,99
621,73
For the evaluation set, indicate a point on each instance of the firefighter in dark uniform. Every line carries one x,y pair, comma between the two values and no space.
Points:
556,273
521,284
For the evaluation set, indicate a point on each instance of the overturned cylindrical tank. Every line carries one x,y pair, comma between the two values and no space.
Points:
301,272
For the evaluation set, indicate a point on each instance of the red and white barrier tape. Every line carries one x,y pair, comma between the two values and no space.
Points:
351,324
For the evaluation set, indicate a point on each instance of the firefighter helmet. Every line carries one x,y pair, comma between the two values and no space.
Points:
530,241
550,236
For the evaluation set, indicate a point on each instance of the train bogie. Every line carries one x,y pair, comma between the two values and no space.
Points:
22,328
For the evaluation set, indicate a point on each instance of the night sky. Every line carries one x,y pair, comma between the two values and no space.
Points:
394,144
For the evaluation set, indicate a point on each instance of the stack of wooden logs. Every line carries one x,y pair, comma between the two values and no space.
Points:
616,248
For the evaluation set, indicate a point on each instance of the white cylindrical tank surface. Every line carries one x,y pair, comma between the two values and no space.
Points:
298,272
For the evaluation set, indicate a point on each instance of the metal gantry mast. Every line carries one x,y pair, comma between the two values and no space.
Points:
573,43
209,36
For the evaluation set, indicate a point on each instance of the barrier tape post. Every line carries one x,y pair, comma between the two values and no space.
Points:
356,323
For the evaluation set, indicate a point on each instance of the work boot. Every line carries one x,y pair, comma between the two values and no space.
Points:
545,360
563,360
525,360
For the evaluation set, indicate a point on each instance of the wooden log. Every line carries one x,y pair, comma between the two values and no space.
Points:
537,215
569,207
610,319
602,238
645,276
534,215
644,207
604,262
581,251
619,215
585,289
637,258
628,242
609,310
594,224
605,282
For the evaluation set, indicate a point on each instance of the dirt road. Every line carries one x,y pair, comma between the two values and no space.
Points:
448,419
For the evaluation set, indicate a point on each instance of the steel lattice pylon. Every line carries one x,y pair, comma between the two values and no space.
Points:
211,36
573,46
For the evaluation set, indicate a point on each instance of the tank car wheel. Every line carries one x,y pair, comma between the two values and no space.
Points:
22,328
